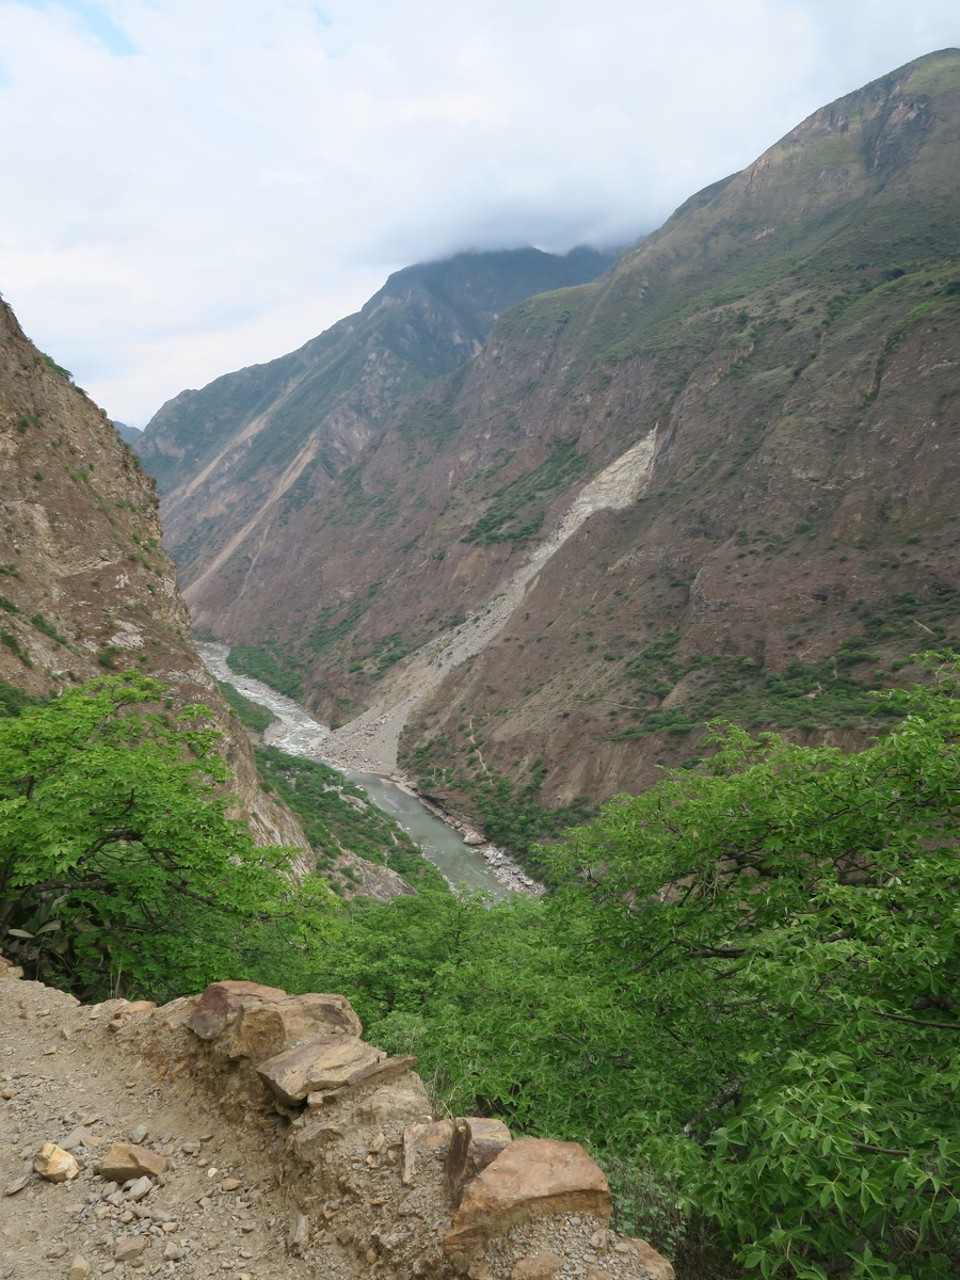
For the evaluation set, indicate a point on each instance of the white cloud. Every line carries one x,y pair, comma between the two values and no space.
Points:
195,187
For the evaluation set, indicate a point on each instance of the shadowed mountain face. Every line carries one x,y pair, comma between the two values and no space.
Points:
342,386
719,480
85,587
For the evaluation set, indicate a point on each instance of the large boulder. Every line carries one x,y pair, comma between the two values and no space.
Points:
246,1020
530,1178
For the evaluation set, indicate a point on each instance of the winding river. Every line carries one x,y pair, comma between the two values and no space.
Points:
299,734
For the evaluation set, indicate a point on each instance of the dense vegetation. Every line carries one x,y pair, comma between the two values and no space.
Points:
119,870
749,981
336,815
262,664
512,812
741,997
251,715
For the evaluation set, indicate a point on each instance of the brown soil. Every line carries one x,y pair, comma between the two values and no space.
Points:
77,1076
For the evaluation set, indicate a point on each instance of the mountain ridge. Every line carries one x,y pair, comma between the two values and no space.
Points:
788,333
86,587
448,307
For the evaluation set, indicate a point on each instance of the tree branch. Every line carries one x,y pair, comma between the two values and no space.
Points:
917,1022
878,1151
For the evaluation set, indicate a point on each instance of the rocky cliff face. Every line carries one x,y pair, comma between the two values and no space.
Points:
719,480
85,586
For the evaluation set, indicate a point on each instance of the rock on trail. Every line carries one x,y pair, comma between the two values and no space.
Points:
246,1134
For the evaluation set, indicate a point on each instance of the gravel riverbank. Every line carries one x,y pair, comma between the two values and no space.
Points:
360,747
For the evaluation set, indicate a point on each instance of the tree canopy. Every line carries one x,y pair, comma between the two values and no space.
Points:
785,923
119,869
743,997
748,985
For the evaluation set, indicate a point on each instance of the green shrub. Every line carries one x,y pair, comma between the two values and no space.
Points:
119,871
271,668
251,715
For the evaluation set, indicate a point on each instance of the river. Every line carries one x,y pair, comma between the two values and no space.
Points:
487,869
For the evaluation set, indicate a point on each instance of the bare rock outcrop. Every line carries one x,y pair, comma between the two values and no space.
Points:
190,1162
379,1181
247,1020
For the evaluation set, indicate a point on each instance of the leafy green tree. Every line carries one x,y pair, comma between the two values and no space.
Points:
119,869
785,928
748,985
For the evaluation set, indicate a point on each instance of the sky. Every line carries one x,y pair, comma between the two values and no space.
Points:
193,186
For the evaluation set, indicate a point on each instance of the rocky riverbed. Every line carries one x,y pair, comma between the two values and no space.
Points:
356,750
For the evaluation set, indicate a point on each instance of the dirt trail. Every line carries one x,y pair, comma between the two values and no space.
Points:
228,1159
370,741
78,1076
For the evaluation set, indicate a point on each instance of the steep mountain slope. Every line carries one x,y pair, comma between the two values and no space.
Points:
254,446
85,587
772,380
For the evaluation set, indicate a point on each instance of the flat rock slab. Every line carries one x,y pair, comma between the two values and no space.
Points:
383,1072
530,1178
126,1160
246,1020
320,1064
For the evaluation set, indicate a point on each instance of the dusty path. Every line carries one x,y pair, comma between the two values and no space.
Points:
68,1077
335,1170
